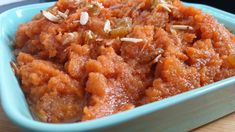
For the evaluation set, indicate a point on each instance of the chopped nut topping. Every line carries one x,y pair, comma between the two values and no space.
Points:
155,60
50,16
84,18
63,15
134,40
107,26
165,6
182,27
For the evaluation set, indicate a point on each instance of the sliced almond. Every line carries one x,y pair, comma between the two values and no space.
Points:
107,26
134,40
63,15
155,60
50,16
164,6
84,18
182,27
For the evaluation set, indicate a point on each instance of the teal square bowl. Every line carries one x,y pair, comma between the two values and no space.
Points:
182,112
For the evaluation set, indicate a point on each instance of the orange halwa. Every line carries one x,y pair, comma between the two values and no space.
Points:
86,59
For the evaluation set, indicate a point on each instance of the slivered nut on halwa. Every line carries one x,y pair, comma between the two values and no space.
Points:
63,15
84,18
134,40
50,16
107,26
182,27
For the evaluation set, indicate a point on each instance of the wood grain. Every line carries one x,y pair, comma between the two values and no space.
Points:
6,125
225,124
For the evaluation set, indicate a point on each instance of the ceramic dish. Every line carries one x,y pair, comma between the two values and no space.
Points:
182,112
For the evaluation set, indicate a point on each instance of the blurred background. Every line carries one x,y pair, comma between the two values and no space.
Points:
227,5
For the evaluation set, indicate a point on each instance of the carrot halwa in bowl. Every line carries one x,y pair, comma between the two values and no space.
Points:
85,59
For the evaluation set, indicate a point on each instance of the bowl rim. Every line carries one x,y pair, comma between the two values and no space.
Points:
111,120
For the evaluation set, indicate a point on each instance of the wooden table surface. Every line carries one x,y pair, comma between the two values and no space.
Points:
226,123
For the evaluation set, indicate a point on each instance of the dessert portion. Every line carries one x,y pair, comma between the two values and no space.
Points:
85,59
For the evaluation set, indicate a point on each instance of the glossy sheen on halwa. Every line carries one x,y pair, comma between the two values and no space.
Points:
121,54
